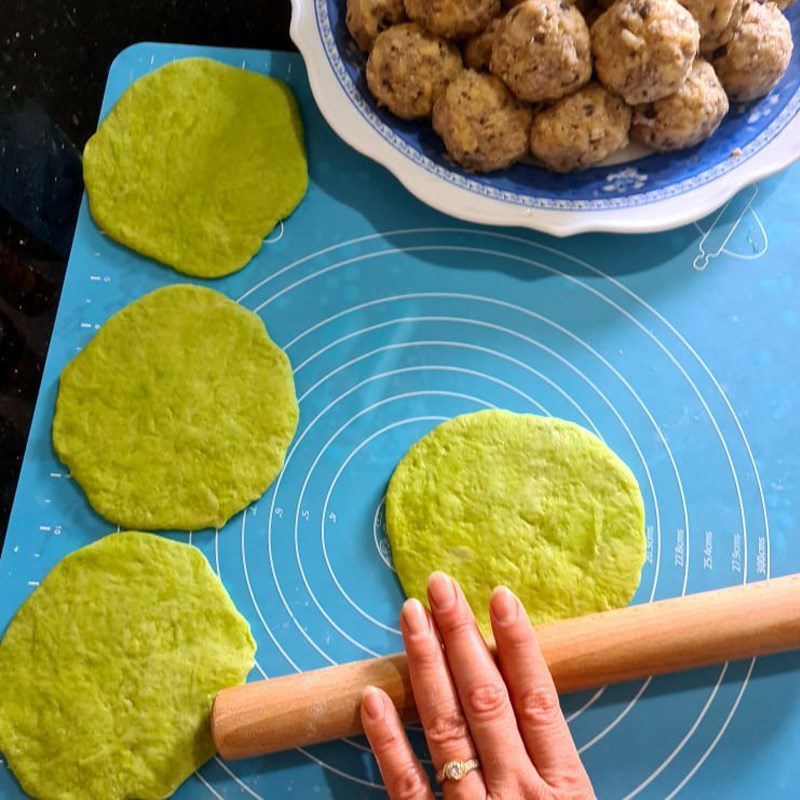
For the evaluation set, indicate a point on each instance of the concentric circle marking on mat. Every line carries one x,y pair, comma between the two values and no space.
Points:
406,320
511,306
523,366
539,265
277,283
346,461
385,300
324,516
545,349
597,695
330,405
298,443
623,423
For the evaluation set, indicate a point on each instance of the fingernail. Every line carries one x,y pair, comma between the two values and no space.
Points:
505,605
372,702
441,591
415,618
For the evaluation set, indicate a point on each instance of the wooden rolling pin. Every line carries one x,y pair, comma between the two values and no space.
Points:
585,652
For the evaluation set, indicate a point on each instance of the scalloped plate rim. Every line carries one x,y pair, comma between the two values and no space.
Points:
338,110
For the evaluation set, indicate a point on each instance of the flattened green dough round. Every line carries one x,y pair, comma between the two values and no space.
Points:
196,164
178,413
109,670
536,504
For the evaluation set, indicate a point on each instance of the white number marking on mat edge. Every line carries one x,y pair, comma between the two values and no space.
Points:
736,553
708,551
679,547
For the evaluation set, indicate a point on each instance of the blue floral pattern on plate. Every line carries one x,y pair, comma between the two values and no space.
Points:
744,132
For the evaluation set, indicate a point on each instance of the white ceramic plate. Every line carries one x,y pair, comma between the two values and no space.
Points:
638,192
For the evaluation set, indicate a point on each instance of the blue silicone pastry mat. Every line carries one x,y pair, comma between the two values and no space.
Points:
679,349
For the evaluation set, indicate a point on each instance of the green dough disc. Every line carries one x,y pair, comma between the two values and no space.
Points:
178,413
110,667
536,504
196,164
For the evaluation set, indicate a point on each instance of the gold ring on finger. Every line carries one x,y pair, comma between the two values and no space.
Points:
456,770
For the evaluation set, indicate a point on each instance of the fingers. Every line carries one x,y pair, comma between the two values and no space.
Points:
481,689
533,695
401,771
437,701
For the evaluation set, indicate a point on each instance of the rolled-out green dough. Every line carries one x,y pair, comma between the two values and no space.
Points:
195,165
178,413
110,667
533,503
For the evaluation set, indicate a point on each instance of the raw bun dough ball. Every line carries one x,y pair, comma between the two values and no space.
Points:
484,127
409,68
580,130
758,53
367,18
643,49
685,118
542,50
453,18
478,48
716,20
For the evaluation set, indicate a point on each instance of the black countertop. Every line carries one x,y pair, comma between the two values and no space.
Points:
54,58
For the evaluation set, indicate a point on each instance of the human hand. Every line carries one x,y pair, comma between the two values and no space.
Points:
506,714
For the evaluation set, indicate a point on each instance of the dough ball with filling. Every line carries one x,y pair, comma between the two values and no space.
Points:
580,130
483,126
542,50
685,118
367,18
408,68
757,53
716,20
453,19
643,49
